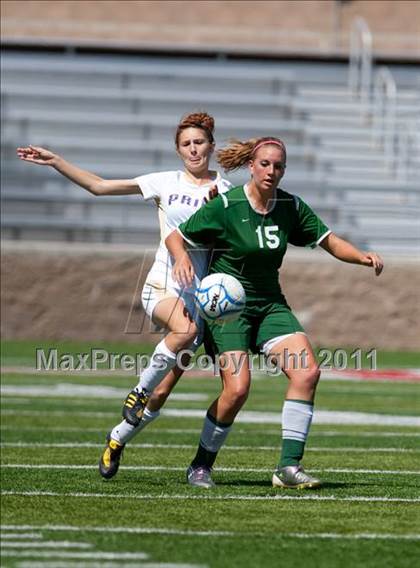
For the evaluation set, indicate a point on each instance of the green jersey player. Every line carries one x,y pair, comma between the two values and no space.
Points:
249,229
250,246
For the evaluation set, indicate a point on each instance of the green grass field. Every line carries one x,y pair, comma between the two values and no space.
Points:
58,512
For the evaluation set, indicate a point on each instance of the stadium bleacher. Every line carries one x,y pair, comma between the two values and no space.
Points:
116,116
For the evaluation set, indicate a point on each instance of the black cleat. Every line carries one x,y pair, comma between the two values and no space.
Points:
110,459
134,406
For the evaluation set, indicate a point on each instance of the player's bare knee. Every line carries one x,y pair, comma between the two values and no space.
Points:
185,336
190,330
311,376
306,379
238,396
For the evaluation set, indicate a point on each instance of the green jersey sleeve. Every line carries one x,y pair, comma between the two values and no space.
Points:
205,225
309,228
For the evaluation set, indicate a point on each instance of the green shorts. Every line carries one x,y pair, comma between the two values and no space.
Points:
259,322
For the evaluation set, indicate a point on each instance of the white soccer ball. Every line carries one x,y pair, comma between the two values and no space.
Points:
220,297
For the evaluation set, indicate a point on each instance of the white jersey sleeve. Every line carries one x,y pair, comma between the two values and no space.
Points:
151,185
223,185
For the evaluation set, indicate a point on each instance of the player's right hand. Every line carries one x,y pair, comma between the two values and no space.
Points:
36,155
213,192
373,259
183,270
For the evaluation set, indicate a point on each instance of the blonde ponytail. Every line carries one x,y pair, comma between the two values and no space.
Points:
237,154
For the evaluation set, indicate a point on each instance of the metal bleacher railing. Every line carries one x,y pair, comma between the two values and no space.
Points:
360,61
377,92
351,154
408,145
384,115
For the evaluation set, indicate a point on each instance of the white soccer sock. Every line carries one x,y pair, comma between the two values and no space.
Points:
124,431
163,360
214,434
296,419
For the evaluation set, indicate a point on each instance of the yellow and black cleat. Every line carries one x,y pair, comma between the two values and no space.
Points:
110,459
134,406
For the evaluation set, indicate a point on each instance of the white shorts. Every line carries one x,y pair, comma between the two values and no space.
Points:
154,291
267,346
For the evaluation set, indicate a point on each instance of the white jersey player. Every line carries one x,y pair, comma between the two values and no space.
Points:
178,194
177,198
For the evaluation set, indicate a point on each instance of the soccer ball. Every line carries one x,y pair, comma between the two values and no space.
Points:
220,298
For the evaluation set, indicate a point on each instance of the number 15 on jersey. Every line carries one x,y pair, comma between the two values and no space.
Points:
269,236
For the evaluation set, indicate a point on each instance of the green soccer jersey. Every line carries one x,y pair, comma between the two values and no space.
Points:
249,245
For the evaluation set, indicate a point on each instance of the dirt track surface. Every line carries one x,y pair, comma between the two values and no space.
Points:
89,297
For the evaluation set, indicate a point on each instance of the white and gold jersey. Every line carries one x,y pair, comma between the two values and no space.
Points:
177,198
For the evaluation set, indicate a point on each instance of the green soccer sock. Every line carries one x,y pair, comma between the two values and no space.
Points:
296,421
291,452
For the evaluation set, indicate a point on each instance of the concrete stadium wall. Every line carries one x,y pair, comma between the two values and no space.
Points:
288,26
88,296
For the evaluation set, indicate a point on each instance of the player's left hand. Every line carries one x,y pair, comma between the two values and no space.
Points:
373,259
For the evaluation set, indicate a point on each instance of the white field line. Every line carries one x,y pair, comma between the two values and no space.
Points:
97,391
101,430
75,390
217,469
15,402
128,530
45,544
58,413
332,417
81,555
357,536
5,401
321,434
15,536
208,497
194,446
332,434
255,417
147,530
67,564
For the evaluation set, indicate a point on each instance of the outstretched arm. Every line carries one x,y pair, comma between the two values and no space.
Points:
345,251
89,181
183,270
